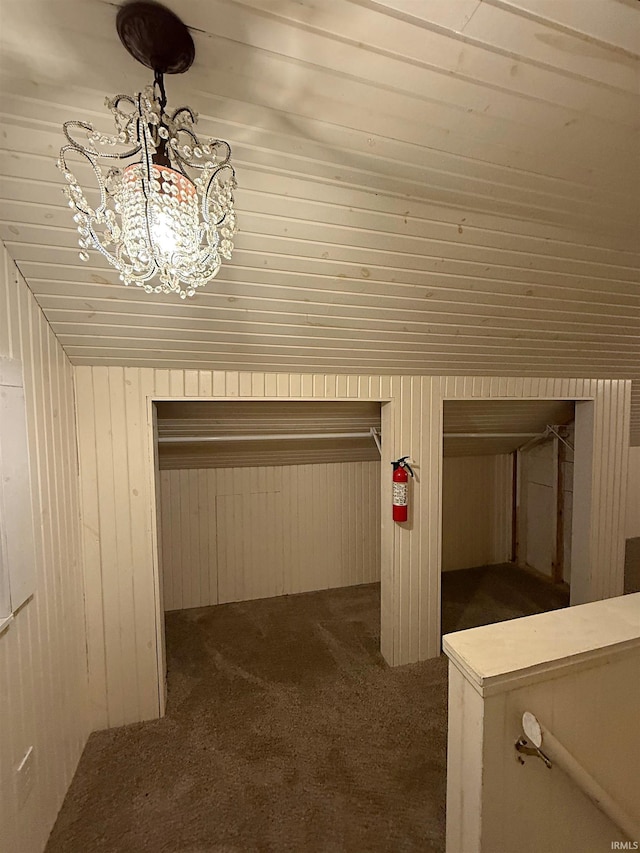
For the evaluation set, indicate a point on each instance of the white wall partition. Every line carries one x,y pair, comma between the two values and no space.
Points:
43,670
17,554
538,514
633,502
117,481
476,510
232,534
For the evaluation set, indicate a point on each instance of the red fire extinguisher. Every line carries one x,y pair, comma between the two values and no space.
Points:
401,471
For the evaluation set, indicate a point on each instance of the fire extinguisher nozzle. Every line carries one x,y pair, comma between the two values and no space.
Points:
402,463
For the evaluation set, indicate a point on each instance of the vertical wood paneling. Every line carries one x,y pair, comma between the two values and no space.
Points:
612,407
242,533
539,501
146,608
431,487
92,558
123,538
43,666
410,554
387,421
503,517
415,544
109,544
476,511
632,527
398,533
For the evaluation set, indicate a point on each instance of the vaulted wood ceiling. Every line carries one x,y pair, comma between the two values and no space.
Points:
425,186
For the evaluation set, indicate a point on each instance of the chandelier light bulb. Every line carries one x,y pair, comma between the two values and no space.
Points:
161,221
164,216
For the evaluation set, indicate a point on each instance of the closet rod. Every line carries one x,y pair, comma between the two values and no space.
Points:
184,439
491,434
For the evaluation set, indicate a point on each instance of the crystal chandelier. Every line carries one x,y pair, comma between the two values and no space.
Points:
163,211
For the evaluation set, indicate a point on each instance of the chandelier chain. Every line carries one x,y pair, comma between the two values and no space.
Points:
162,99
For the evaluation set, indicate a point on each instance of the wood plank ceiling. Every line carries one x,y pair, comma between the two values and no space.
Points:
425,186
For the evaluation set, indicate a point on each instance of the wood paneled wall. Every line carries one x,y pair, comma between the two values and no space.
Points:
538,512
633,502
116,462
232,534
43,673
476,510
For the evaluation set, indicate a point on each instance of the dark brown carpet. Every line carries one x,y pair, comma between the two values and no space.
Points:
473,597
285,731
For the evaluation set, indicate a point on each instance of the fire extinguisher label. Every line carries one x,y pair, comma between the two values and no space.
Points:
399,494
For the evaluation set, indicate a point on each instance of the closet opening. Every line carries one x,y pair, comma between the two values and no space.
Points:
269,526
507,509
